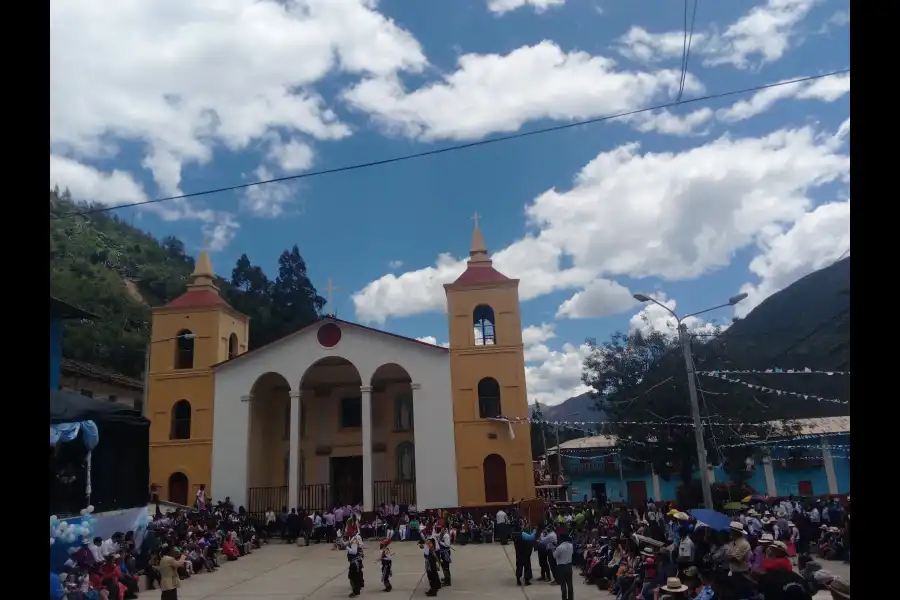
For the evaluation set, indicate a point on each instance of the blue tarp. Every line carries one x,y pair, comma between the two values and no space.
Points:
66,432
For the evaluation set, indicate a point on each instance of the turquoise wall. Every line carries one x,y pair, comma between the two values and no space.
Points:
786,480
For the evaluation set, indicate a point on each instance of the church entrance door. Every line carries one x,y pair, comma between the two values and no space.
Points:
347,480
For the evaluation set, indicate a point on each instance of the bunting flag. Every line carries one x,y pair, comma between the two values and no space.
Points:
773,371
765,442
768,390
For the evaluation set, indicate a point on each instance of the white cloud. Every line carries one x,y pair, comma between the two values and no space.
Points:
430,339
668,123
558,377
268,200
674,215
534,338
504,6
395,264
654,317
813,242
490,93
827,89
183,79
600,298
761,36
291,156
219,234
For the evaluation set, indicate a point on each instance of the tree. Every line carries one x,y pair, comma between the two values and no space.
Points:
640,382
295,302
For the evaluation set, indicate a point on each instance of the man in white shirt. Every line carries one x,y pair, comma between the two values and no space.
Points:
96,550
111,546
502,528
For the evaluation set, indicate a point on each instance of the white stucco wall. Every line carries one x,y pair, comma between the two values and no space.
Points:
367,350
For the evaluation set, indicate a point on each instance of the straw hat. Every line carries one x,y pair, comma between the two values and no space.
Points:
681,516
780,546
839,588
736,526
766,538
648,551
674,585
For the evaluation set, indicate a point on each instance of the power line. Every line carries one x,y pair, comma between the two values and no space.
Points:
407,157
686,46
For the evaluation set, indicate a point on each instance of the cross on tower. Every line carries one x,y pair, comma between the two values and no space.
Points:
475,218
330,290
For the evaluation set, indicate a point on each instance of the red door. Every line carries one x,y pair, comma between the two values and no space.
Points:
495,479
637,493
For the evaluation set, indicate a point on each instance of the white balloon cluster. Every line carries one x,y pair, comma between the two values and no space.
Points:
69,533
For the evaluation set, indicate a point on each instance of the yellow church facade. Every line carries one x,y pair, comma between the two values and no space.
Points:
338,412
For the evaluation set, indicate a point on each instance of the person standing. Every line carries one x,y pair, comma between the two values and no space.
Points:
524,546
387,562
431,567
563,557
442,535
169,581
549,541
354,573
502,528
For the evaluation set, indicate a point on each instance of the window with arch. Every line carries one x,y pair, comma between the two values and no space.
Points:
403,409
178,488
181,421
483,318
232,346
406,462
495,489
184,349
488,398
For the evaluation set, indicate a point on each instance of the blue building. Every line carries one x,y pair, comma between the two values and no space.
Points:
60,311
814,462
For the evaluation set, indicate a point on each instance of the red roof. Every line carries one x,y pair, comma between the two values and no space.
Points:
480,274
320,321
198,299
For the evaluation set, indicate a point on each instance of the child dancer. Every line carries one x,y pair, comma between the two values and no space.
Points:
431,567
354,574
387,561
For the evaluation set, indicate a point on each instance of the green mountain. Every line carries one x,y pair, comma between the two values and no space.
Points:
106,266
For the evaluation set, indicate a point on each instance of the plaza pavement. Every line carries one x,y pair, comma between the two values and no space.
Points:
284,572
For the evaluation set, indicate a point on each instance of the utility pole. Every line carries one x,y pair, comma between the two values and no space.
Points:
685,340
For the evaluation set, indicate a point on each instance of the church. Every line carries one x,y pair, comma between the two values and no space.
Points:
338,412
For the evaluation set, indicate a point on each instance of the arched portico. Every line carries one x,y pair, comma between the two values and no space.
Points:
394,450
271,397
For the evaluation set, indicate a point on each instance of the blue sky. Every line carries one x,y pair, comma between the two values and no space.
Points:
694,203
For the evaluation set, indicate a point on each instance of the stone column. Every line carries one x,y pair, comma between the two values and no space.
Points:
368,499
294,457
769,472
829,467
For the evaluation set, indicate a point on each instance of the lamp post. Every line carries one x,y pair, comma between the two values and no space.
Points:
685,342
184,336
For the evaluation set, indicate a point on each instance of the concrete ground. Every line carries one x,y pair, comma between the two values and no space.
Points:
282,572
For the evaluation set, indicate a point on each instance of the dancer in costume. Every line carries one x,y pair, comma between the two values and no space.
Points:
442,541
355,558
431,567
387,561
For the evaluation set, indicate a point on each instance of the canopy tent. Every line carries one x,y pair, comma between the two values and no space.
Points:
113,445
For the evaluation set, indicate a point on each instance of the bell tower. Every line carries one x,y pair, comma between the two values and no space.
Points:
487,374
189,335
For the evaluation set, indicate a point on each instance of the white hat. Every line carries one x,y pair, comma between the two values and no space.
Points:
673,584
780,546
735,526
766,538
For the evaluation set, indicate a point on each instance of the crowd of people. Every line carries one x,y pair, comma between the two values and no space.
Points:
658,552
174,547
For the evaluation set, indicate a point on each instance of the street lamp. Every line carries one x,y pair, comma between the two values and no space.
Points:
183,336
685,342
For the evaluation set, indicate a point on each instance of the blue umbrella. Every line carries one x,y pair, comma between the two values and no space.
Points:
712,519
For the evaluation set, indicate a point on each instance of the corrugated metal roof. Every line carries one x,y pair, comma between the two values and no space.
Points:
815,426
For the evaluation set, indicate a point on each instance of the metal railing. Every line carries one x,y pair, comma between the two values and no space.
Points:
260,499
316,497
394,492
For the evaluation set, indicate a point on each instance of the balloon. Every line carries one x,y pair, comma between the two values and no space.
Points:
83,512
90,508
54,519
52,541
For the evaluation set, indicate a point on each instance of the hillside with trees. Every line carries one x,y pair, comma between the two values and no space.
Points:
103,264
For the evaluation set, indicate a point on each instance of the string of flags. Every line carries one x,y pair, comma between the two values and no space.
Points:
773,371
808,436
576,424
768,390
